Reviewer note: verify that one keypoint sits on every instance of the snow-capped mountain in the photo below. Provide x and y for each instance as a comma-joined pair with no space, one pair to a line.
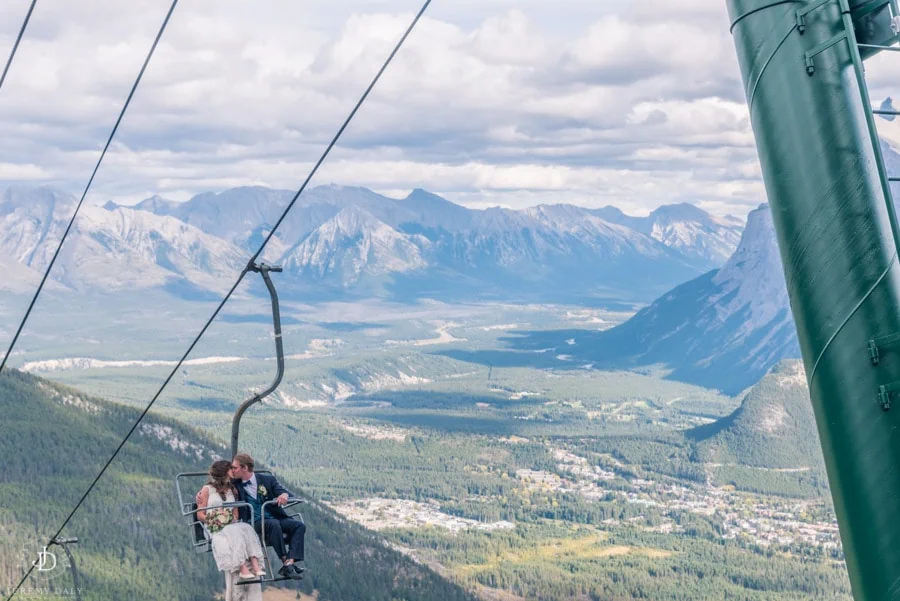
686,228
139,249
240,214
725,329
111,249
354,244
29,219
18,278
340,240
436,246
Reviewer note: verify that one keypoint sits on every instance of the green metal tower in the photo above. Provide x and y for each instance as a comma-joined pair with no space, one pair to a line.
802,64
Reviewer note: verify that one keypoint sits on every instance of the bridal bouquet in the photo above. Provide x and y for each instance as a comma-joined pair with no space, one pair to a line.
217,519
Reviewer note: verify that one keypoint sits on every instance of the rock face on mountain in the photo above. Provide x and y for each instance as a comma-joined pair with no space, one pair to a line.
725,329
111,248
774,428
686,228
353,244
350,242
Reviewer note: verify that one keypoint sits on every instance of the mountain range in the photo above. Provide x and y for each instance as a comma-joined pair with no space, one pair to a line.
351,242
718,325
724,329
727,328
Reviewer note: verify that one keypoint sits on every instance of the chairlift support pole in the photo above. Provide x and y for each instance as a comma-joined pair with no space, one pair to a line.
64,543
264,270
831,203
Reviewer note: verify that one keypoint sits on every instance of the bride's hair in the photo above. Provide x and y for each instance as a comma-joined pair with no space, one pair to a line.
218,477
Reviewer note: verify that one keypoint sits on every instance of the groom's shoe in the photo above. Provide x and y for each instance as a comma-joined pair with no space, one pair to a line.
297,571
287,571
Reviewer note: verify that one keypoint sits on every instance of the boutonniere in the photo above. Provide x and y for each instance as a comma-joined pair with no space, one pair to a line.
261,491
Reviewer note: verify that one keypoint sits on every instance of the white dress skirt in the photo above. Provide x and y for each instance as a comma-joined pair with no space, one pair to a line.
231,546
235,543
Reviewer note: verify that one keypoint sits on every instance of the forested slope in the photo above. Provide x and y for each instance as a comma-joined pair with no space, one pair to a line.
134,544
770,443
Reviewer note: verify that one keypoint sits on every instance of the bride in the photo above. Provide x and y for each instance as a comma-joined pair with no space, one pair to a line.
235,544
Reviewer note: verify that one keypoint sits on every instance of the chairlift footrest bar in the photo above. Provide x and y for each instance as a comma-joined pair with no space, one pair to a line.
885,112
884,394
876,344
264,581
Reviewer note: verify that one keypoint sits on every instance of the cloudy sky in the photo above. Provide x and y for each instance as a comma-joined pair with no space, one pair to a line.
491,102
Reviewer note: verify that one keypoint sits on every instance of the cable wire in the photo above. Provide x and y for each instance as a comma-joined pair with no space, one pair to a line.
88,186
240,278
15,47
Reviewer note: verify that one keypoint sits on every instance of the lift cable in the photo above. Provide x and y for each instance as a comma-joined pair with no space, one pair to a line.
15,47
240,278
88,186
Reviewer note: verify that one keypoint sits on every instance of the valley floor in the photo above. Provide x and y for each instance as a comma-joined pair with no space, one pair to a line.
551,481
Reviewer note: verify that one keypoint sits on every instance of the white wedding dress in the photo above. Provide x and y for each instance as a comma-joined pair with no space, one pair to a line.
231,546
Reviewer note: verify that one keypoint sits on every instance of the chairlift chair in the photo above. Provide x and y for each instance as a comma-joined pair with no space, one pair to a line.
200,538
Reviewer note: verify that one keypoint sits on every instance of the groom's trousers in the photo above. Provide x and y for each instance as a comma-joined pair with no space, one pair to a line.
275,531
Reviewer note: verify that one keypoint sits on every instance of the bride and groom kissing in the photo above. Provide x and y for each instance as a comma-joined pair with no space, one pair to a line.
234,531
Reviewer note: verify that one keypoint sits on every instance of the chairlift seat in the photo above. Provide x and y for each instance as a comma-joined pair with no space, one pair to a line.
201,541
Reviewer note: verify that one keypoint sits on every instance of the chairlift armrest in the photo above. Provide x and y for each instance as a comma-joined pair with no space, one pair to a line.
238,504
297,516
291,502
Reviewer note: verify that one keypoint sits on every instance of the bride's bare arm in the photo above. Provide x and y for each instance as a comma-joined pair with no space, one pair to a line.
202,502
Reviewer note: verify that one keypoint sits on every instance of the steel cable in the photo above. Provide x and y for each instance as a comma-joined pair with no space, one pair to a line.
240,278
87,188
15,47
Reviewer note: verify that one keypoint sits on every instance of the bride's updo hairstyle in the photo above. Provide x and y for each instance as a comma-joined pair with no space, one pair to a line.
219,478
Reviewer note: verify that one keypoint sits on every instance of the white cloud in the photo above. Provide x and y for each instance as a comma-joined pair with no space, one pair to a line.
636,103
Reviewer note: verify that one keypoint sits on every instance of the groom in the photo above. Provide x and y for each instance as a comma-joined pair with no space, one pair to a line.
257,489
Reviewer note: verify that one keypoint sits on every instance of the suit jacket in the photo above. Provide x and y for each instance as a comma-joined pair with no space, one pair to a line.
268,489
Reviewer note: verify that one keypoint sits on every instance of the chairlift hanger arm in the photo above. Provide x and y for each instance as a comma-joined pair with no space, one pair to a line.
64,543
263,269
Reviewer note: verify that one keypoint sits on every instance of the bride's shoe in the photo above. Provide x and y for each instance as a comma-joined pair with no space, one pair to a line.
261,573
247,576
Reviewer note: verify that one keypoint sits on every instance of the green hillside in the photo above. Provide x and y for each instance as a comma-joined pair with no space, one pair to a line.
770,443
134,544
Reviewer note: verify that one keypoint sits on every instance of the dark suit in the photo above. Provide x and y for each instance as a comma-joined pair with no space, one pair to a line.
277,521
